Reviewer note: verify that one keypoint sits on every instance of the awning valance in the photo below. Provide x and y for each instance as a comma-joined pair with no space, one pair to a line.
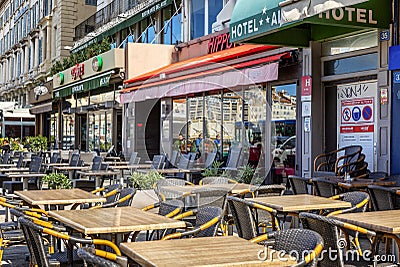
217,77
267,22
98,81
42,108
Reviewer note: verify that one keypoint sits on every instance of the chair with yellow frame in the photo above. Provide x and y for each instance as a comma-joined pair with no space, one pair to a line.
359,203
207,221
306,243
216,180
36,233
244,215
124,199
164,194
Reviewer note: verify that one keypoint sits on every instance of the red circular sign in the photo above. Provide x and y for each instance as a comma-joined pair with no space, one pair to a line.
346,115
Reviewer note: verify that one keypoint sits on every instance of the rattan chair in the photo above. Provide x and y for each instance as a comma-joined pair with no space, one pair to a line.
329,228
207,222
244,217
383,198
306,243
299,185
267,190
359,202
124,199
100,258
34,236
331,161
164,194
325,187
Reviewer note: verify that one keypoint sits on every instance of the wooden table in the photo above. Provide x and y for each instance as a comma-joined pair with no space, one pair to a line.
187,172
25,177
97,175
298,203
13,169
191,189
129,167
387,221
70,169
47,165
363,183
8,165
59,197
204,251
114,220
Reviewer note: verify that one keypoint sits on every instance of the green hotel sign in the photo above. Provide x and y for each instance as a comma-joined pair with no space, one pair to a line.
265,23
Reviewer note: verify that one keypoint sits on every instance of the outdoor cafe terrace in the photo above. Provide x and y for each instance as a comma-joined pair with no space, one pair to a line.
73,208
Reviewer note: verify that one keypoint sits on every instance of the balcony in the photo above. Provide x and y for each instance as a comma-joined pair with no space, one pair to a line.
104,16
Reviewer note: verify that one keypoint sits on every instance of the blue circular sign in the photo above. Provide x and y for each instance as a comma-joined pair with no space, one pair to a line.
356,113
367,113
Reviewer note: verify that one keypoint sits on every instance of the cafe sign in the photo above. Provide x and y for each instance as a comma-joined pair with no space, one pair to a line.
78,71
97,63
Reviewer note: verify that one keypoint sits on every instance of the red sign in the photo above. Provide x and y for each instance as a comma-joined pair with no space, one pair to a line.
306,88
219,43
78,71
357,129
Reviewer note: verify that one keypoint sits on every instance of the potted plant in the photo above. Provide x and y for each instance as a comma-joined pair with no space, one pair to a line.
245,174
144,182
57,181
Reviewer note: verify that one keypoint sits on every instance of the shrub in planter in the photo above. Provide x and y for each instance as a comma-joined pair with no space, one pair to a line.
144,181
57,181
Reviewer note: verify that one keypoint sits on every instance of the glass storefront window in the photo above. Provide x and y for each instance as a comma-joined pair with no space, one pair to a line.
68,141
232,121
100,130
351,43
196,127
213,120
351,64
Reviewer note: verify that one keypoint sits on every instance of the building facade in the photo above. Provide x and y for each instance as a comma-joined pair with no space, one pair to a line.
33,35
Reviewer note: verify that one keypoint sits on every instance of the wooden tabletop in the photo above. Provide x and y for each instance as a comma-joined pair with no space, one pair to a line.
55,164
379,221
167,171
26,175
8,165
14,169
127,167
297,203
58,197
191,189
97,173
114,220
204,251
70,168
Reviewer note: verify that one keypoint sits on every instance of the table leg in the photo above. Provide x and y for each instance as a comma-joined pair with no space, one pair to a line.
25,183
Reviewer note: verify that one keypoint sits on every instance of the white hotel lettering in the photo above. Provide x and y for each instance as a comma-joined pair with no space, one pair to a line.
359,15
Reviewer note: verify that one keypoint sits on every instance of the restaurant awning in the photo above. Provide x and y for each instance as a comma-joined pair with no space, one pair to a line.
206,73
267,22
91,83
42,108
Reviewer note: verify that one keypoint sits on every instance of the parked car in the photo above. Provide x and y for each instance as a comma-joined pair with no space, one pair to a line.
287,148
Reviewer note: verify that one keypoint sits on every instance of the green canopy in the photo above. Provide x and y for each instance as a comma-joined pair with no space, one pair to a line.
92,83
261,22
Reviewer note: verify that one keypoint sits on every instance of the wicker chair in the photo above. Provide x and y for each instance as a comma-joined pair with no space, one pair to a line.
306,243
330,162
325,187
125,198
244,217
169,209
207,222
329,228
92,256
166,194
267,190
383,198
36,244
299,185
359,202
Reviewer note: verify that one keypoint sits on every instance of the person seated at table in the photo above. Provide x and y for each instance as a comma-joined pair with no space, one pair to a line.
6,146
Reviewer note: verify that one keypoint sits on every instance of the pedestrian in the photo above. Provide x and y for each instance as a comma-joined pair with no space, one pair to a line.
198,143
217,143
180,144
6,146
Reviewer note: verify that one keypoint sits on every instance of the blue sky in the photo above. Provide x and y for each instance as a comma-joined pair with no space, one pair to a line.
290,88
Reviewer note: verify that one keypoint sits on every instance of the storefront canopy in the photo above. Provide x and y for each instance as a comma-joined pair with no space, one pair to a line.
98,81
291,23
206,73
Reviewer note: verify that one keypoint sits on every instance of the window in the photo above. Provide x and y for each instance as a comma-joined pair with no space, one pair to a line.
46,7
91,2
214,7
148,32
351,64
197,18
172,25
351,43
40,51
